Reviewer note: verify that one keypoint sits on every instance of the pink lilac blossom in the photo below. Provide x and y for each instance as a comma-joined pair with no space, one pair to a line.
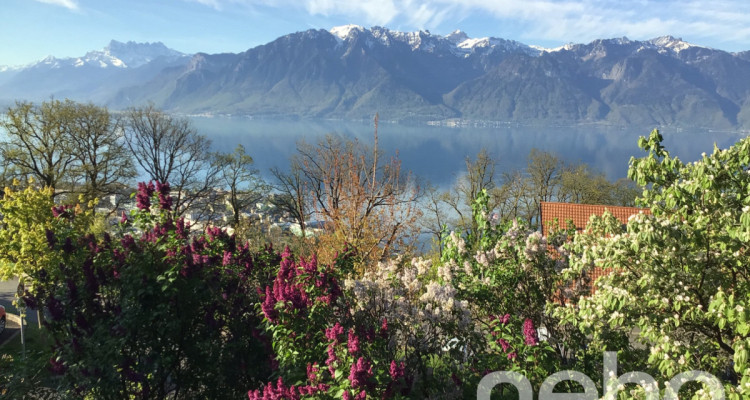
529,333
143,197
360,374
353,342
165,200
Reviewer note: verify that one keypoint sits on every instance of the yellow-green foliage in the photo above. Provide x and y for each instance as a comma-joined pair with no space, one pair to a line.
27,214
27,219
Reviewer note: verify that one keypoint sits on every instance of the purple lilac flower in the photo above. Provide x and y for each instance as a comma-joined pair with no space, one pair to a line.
165,200
68,246
396,371
530,333
360,373
227,259
63,211
143,197
269,306
334,332
353,342
51,239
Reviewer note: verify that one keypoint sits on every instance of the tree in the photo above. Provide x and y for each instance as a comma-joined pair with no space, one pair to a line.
578,184
29,222
169,149
544,173
480,175
243,182
39,143
435,216
103,159
680,284
293,196
367,203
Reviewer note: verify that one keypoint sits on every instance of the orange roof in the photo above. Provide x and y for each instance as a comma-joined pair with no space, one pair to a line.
580,213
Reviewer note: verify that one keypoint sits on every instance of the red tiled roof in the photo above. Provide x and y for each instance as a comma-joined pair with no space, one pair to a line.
580,213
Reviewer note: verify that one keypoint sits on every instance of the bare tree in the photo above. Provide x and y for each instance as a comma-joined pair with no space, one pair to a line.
480,175
103,160
293,195
38,143
544,175
168,149
435,216
368,203
242,181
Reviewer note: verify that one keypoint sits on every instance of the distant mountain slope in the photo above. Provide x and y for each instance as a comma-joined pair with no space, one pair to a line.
97,76
353,72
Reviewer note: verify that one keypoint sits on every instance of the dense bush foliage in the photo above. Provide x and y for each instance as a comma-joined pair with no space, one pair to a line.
150,310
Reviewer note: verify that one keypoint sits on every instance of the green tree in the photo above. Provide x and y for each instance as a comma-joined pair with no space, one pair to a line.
579,184
680,283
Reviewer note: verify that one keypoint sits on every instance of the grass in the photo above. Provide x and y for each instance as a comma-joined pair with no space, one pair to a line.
36,339
26,371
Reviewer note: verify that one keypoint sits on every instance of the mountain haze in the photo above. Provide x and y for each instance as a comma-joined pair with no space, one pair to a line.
96,76
352,72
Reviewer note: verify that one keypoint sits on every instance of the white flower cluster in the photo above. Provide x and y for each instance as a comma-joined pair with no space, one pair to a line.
425,309
458,242
536,244
515,233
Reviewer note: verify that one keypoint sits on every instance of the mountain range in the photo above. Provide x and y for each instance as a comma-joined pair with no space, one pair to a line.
351,72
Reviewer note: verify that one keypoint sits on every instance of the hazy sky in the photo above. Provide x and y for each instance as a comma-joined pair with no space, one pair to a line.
33,29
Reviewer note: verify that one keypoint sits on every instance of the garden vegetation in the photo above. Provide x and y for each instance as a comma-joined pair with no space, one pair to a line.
152,309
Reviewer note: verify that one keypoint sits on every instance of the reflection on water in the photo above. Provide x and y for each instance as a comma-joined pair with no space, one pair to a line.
437,153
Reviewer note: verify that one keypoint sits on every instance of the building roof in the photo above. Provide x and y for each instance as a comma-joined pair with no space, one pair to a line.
580,213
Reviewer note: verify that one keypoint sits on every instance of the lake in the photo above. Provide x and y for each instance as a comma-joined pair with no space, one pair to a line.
437,153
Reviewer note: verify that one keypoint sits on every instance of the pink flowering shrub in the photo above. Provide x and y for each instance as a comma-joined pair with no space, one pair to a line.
155,312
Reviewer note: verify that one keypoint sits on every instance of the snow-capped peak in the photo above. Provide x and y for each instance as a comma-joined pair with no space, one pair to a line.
342,32
133,55
115,55
457,36
457,42
671,43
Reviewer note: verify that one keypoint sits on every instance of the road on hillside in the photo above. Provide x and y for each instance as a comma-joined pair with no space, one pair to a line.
7,295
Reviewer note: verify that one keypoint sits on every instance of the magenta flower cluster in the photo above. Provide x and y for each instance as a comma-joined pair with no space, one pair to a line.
143,195
529,333
66,211
279,391
147,190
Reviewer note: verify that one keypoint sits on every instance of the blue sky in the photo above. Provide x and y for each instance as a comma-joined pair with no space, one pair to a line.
32,29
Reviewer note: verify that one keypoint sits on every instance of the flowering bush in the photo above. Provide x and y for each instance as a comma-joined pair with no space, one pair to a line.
376,336
679,295
153,314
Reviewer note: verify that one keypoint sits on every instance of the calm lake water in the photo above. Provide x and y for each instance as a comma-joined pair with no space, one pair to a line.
437,153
